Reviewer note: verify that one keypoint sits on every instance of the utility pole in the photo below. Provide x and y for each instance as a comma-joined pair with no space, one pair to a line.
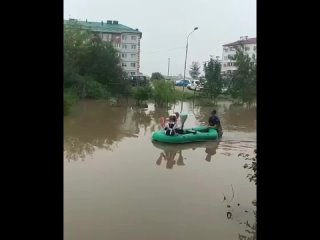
168,67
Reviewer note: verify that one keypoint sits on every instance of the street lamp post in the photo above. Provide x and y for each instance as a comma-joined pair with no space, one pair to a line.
185,63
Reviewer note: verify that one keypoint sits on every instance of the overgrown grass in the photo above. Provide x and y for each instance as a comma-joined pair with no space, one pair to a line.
163,92
141,93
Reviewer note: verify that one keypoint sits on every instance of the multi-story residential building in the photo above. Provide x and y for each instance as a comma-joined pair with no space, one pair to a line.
229,50
125,39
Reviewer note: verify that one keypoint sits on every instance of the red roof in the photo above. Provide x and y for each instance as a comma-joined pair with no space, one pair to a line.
248,41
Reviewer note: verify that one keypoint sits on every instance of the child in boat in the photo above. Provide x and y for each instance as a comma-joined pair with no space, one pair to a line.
171,125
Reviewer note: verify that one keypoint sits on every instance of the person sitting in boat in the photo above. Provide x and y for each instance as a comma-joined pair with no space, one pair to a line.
214,122
179,128
171,125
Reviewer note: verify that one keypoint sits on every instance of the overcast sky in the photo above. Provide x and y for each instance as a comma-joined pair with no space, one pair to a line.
165,25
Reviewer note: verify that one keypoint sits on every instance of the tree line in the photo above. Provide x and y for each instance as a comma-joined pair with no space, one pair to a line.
240,84
91,67
92,70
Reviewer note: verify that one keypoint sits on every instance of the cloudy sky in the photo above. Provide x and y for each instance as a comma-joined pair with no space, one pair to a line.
165,25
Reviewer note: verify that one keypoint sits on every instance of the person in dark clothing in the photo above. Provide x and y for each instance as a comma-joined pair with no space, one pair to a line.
214,122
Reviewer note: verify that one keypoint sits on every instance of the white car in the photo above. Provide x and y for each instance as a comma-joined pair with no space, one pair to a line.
195,85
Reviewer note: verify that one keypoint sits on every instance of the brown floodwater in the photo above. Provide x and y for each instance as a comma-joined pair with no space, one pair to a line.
119,185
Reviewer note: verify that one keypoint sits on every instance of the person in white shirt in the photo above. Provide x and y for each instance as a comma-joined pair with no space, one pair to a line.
179,127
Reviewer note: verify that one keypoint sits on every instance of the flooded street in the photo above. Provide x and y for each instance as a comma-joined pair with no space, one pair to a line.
119,185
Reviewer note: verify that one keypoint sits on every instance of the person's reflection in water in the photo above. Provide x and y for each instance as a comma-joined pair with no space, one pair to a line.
211,149
180,159
159,160
169,157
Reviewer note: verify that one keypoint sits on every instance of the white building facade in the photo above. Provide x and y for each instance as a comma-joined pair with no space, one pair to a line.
130,53
229,50
124,39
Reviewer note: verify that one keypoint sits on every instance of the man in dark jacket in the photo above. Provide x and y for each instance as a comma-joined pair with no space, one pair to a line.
214,122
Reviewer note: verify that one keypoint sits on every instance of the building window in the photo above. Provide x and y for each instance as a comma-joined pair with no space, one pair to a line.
133,55
225,49
124,55
231,48
224,65
124,46
247,48
134,38
133,73
124,64
254,48
133,64
117,45
124,37
133,46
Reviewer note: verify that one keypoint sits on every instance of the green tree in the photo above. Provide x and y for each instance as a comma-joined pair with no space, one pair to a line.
91,66
163,93
194,70
226,80
213,85
157,76
243,80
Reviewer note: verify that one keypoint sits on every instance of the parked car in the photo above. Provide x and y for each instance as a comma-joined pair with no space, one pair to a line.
138,80
183,82
195,85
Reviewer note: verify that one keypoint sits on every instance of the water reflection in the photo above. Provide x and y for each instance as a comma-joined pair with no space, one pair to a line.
172,153
96,124
195,197
74,149
249,231
211,149
169,157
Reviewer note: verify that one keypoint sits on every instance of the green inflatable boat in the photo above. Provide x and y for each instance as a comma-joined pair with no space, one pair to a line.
196,134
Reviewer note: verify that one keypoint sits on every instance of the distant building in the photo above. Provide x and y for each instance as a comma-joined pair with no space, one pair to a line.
125,39
228,65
